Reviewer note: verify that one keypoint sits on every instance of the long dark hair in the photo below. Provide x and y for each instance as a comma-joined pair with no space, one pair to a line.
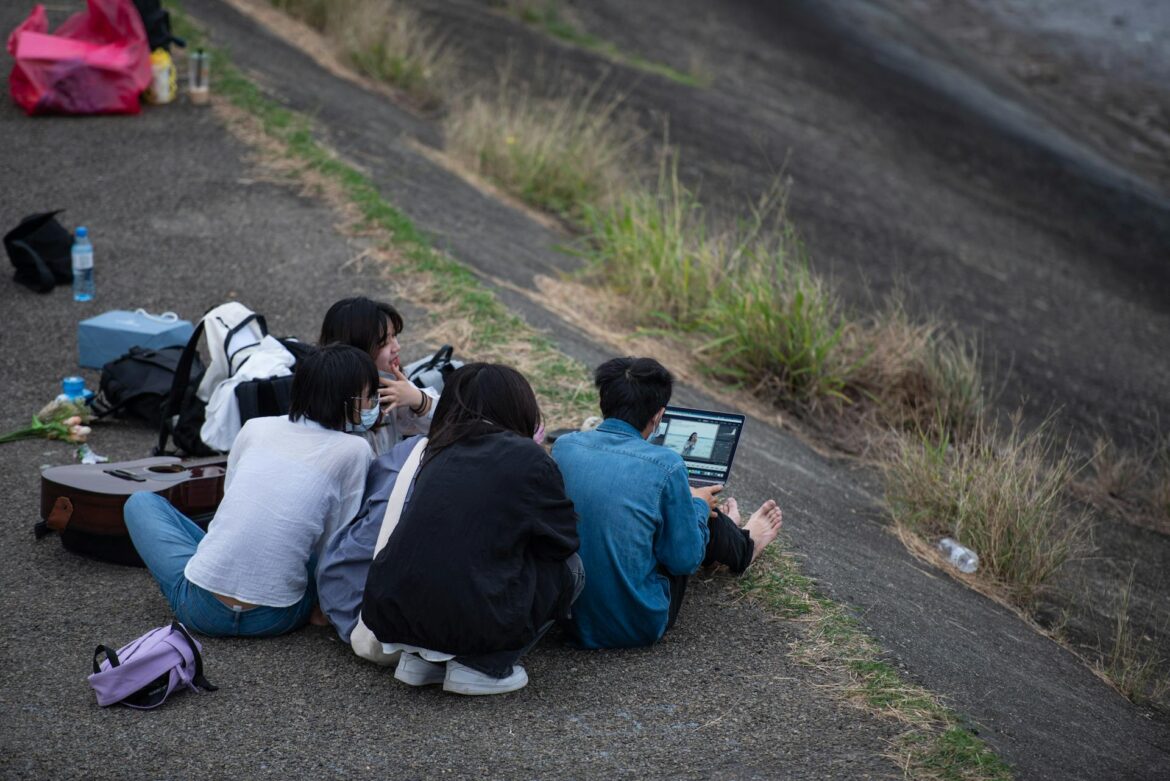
360,322
479,398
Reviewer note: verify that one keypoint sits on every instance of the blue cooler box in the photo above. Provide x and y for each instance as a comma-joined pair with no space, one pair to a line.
111,334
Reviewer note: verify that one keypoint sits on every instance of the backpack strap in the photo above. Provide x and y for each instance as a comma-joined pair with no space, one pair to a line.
442,355
110,654
227,340
178,387
199,680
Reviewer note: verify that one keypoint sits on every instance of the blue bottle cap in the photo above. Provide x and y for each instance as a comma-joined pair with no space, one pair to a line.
73,387
82,231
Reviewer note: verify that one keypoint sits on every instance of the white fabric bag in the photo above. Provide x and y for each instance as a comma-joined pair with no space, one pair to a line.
268,358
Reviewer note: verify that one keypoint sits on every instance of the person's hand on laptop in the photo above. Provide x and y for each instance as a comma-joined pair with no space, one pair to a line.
707,493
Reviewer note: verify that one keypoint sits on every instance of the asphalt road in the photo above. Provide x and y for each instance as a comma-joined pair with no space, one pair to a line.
183,222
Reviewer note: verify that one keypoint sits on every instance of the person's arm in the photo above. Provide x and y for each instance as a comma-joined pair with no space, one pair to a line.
681,544
553,520
411,423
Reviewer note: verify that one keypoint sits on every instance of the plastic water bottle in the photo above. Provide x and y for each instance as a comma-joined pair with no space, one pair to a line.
963,559
82,266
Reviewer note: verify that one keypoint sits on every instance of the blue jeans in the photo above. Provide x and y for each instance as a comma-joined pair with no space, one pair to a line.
166,540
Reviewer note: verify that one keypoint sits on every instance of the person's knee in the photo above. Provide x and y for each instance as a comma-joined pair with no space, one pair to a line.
141,508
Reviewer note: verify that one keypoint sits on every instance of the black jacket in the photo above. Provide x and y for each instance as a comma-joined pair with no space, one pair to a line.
476,564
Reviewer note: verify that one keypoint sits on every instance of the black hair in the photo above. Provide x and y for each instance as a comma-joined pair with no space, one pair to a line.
327,380
633,389
360,322
480,398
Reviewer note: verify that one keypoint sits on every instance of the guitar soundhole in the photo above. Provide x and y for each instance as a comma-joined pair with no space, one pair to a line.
167,468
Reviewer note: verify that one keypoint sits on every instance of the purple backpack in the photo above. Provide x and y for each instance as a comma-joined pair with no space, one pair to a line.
142,673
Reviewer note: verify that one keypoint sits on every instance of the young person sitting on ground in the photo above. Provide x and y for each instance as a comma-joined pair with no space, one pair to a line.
643,528
374,327
291,482
345,562
483,558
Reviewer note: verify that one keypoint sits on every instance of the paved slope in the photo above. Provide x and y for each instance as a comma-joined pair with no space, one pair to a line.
1039,707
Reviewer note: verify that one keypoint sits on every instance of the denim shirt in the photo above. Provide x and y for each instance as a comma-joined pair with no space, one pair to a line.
637,520
345,562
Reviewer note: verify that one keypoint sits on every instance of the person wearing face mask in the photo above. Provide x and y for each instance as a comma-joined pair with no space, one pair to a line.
291,482
374,327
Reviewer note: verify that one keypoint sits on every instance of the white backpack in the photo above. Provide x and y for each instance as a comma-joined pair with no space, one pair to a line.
239,350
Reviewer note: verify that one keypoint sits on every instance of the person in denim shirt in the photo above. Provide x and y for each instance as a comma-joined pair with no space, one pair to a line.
643,529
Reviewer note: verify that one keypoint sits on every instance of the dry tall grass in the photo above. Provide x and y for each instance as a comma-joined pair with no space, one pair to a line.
768,322
560,154
1003,494
1131,484
1131,661
384,39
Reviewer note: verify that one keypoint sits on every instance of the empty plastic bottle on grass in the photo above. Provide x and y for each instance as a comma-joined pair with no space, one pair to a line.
963,559
82,266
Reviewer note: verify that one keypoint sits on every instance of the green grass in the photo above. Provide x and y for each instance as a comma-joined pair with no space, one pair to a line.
384,39
1003,494
548,15
562,155
935,743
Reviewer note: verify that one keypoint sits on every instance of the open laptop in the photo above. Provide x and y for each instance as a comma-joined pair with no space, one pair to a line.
706,440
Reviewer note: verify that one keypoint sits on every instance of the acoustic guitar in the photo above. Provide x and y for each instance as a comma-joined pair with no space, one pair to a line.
83,502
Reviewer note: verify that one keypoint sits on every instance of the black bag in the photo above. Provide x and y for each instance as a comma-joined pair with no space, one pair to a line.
41,250
157,22
139,383
183,412
433,372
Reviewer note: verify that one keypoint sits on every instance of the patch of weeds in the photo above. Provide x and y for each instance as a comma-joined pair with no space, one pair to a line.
384,39
765,321
551,17
1132,662
448,290
935,743
1005,495
1134,486
562,154
448,287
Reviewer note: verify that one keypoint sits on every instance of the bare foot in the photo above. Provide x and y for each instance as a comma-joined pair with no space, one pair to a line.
731,510
764,525
317,618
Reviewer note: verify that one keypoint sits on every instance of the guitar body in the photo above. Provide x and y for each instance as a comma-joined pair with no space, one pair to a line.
83,502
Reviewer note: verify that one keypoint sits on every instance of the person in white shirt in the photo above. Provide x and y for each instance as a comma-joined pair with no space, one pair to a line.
374,326
291,482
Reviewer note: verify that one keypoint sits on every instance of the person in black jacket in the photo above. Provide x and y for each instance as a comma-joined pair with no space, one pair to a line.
484,558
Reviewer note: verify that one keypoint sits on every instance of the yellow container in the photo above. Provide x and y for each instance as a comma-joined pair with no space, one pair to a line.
164,85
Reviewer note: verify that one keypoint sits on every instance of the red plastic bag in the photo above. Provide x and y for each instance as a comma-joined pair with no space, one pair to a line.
98,61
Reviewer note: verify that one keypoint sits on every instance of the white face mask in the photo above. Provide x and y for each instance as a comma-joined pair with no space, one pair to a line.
369,420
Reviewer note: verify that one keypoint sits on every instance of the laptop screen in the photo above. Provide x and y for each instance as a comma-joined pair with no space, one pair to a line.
706,441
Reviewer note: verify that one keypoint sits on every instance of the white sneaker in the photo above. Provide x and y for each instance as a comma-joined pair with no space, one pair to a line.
416,671
462,679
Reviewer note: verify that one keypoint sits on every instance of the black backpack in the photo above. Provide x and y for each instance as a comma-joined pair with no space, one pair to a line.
157,22
139,383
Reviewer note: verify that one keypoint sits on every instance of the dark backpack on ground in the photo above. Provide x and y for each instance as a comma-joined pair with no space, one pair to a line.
157,22
40,250
139,383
